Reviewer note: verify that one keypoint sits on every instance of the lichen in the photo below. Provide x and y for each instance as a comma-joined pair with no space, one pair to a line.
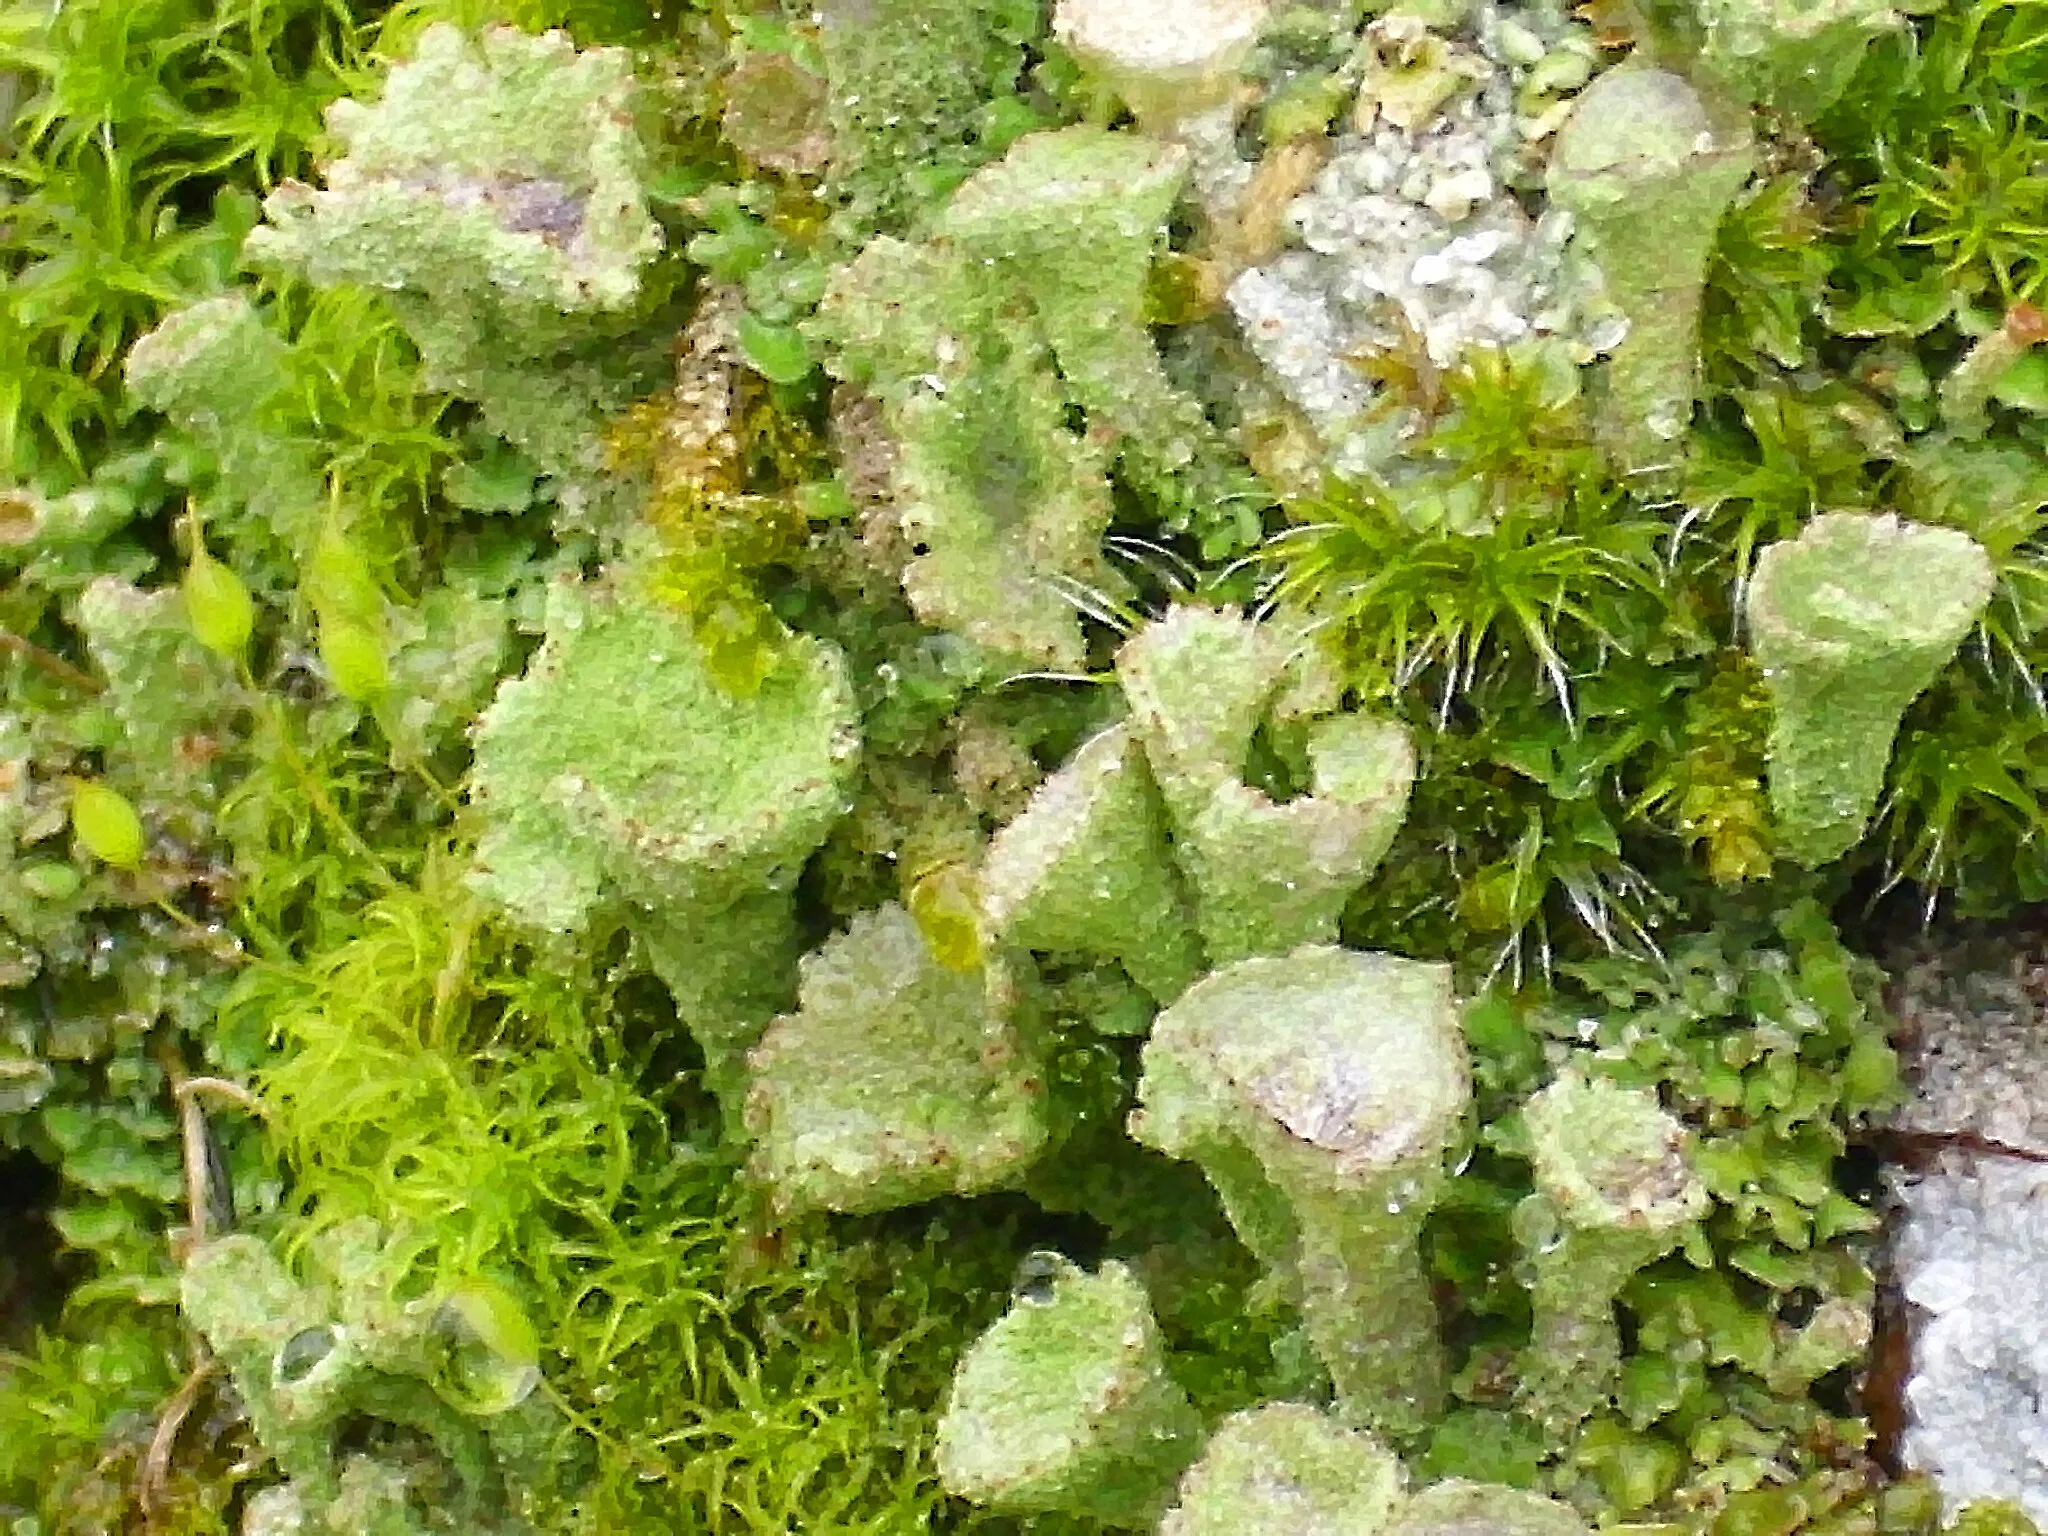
1037,263
695,836
1265,875
1284,1464
1850,622
653,689
896,1080
1066,1404
1318,1092
496,190
1647,167
312,1359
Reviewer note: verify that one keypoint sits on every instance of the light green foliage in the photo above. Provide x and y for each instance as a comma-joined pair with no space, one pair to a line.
165,689
1086,869
96,980
1851,622
221,350
1265,875
133,135
910,86
1287,1468
1839,1333
1318,1092
1648,167
1767,1043
63,1460
523,1112
1066,1405
897,1079
1038,262
326,388
309,1357
1614,1191
617,774
1992,1517
1773,1045
1794,56
517,1112
111,772
495,189
1475,1509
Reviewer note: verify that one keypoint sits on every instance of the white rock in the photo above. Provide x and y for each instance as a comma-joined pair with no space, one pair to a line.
1418,233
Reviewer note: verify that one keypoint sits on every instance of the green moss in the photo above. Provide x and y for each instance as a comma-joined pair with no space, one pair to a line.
742,412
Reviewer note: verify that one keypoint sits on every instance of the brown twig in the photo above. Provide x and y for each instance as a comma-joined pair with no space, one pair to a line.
186,1092
50,662
233,1092
156,1462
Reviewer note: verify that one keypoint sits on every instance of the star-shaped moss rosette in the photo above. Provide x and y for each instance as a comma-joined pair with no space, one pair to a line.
896,1080
495,190
616,777
1265,875
1286,1469
1066,1405
1647,166
1318,1092
1615,1191
1028,296
1851,622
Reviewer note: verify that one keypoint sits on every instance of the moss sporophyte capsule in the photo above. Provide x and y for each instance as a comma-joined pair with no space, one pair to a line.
106,824
223,614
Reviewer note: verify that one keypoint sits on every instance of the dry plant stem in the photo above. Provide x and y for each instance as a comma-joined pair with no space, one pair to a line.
185,1091
192,1139
233,1092
156,1462
51,663
199,933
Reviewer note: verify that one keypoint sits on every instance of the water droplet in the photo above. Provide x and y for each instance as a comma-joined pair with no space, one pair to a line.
303,1353
1536,1225
1037,1275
